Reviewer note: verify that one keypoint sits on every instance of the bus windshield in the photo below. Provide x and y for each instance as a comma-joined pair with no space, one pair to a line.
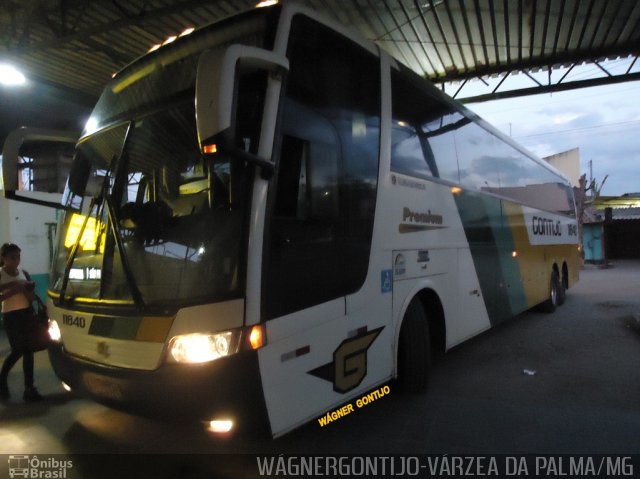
149,220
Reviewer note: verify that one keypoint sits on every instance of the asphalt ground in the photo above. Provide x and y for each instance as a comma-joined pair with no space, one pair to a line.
561,383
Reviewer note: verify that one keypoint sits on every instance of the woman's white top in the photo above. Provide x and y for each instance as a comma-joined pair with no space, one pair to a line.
17,301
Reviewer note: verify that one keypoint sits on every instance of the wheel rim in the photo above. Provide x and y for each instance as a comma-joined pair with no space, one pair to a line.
554,292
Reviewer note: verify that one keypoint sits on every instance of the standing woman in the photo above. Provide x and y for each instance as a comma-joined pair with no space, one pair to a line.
16,292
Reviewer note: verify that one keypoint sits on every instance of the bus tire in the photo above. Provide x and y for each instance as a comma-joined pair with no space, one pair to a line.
562,292
414,349
550,305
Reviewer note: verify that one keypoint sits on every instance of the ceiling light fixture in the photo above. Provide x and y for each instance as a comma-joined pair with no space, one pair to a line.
10,76
267,3
170,39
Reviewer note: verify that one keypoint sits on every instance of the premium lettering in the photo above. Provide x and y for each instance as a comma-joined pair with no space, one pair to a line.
417,217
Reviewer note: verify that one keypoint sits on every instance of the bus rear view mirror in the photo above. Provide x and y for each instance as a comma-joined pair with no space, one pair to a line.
35,161
217,94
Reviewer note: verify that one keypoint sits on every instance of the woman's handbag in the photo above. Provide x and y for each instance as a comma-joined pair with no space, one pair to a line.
38,337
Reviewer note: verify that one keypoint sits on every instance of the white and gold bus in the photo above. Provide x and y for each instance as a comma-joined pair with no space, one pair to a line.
271,216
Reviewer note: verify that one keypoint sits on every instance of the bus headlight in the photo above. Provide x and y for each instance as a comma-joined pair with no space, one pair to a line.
200,348
54,330
220,426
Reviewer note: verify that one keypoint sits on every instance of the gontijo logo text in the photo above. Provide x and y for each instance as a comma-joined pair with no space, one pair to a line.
38,467
546,227
549,229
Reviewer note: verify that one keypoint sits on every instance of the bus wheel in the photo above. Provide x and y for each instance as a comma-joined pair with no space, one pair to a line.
562,292
414,349
550,305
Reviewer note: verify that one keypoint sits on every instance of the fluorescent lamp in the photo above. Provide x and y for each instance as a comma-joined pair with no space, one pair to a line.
267,3
10,76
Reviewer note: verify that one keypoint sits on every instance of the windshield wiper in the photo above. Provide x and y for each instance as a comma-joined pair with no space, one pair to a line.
76,245
115,230
96,202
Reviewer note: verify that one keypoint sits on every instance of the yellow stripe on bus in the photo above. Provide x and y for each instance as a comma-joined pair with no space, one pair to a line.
154,329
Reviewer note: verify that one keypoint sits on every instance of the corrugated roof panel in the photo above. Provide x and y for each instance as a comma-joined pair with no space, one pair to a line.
423,45
389,33
432,42
454,28
440,39
406,33
433,37
625,213
482,18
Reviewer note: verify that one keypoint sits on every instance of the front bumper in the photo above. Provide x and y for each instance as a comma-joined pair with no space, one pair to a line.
227,387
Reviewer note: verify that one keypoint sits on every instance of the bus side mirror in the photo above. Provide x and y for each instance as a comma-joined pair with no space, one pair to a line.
216,95
49,154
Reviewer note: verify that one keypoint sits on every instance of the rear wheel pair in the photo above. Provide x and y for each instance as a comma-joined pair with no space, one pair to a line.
557,294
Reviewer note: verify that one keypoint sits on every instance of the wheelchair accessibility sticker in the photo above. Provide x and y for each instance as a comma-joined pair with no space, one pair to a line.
386,281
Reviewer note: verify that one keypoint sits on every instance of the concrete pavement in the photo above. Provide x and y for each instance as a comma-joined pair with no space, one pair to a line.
568,382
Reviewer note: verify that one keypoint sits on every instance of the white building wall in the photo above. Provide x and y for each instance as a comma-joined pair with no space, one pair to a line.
26,225
568,162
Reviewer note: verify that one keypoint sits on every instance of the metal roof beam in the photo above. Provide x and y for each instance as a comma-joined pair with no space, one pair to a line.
621,51
552,88
602,68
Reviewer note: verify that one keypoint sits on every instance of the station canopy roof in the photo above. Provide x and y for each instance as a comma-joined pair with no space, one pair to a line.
69,49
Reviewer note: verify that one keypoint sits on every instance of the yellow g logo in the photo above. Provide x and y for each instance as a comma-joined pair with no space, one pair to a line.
349,366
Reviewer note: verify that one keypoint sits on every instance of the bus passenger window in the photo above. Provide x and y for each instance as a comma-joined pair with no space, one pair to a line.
323,204
421,138
406,149
293,200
